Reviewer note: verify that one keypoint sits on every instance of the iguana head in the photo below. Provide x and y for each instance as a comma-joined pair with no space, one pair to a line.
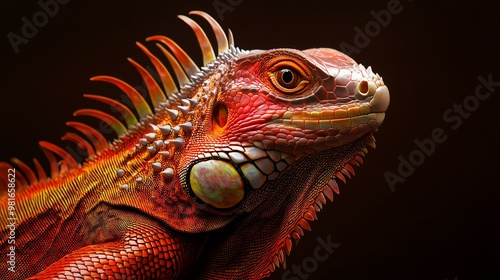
264,110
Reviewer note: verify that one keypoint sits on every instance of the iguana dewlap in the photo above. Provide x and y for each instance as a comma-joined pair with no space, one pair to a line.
211,178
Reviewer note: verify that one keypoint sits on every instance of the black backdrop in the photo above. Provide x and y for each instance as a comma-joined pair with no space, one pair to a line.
440,223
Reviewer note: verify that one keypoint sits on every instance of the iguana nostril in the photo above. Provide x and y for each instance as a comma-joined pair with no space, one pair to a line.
363,87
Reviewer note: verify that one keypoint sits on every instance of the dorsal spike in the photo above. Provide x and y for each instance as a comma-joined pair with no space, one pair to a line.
42,177
165,77
68,159
187,63
206,47
30,175
99,142
63,167
155,92
219,32
182,78
140,104
54,167
117,126
129,117
230,38
80,142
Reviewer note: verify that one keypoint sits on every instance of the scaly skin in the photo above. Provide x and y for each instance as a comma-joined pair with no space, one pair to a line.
215,184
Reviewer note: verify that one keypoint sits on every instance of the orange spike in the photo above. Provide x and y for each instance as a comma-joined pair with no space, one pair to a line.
79,141
155,92
304,224
276,261
219,33
318,206
328,192
63,167
295,236
117,126
334,186
187,63
340,176
349,168
140,104
122,109
359,159
313,212
354,162
54,167
206,47
60,152
308,216
346,173
231,38
281,255
94,136
42,177
299,230
166,79
182,78
288,246
30,175
321,198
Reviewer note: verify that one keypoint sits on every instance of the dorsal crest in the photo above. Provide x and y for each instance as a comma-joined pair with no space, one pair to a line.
167,89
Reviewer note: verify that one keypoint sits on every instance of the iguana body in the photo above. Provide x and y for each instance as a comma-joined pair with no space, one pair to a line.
215,183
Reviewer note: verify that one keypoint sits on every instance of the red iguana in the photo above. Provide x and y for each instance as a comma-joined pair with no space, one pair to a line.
214,182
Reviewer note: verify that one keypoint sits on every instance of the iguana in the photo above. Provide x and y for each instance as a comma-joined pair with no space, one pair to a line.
214,182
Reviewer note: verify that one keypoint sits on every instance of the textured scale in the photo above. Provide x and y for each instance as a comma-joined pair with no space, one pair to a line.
213,181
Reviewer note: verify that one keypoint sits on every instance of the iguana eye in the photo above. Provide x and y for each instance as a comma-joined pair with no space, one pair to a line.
288,77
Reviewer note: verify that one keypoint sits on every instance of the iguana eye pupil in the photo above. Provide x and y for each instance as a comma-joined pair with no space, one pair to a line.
288,79
287,76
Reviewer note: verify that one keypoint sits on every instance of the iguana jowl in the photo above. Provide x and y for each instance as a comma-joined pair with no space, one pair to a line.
214,183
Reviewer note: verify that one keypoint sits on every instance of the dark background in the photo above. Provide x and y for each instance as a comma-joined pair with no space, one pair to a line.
440,223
